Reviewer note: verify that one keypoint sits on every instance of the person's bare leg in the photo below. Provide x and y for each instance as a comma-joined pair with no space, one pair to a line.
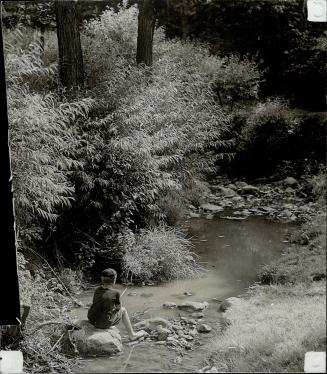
127,322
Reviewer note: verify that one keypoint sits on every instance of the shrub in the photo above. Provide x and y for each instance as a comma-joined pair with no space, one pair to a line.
237,79
267,138
43,139
158,254
150,129
173,208
272,274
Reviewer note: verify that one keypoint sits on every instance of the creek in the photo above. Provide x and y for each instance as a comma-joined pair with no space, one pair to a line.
231,251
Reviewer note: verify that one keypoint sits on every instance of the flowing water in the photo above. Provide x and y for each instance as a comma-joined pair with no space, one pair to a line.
231,251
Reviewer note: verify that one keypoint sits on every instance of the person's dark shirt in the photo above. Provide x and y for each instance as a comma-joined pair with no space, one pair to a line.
106,304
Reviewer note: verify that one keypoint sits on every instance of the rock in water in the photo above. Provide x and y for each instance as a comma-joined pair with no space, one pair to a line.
227,192
291,182
240,184
248,189
227,303
211,208
197,315
152,323
91,341
204,328
163,332
193,306
194,215
169,305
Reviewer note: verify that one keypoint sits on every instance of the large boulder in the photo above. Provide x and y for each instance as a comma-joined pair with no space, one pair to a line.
193,306
91,341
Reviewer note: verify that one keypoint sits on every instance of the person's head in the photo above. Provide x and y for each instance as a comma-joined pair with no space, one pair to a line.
109,277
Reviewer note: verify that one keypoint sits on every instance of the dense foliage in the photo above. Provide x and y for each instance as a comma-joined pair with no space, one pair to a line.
277,32
104,173
149,131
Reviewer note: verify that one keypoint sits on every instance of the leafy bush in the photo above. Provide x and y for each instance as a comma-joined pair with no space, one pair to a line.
237,79
43,139
267,137
148,131
160,253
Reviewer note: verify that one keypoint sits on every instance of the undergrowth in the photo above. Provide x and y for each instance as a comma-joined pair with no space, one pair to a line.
277,322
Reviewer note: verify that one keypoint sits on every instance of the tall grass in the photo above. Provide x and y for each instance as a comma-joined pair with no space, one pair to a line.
272,329
160,253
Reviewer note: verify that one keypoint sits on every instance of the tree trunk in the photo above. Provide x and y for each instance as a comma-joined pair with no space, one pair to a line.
71,69
10,310
146,23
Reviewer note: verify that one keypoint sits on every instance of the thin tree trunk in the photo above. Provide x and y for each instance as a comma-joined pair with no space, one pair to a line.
10,310
42,42
71,70
146,24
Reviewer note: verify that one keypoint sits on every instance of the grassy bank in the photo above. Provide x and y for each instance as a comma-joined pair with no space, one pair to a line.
283,317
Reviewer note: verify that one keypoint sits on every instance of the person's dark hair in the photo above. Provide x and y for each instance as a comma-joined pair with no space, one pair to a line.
109,275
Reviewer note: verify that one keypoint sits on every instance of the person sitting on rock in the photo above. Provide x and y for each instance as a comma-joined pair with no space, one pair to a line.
106,309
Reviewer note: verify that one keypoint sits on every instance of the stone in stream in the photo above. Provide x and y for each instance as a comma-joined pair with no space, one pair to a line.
193,306
251,190
194,215
227,192
161,342
189,321
211,208
169,305
163,332
152,323
91,341
290,182
240,184
203,328
229,302
197,315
